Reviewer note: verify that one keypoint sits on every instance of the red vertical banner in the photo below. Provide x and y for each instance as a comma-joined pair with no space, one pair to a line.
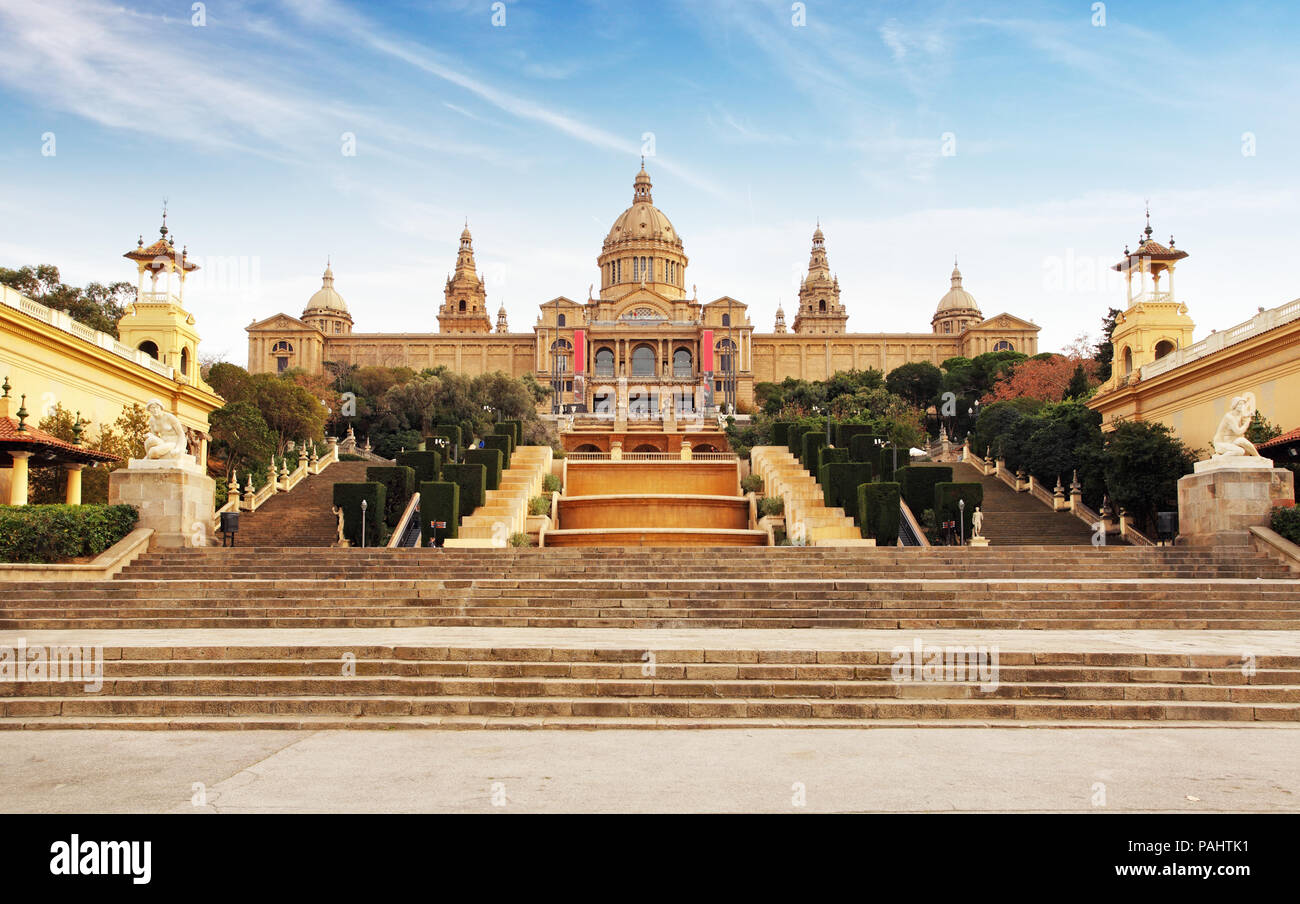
706,351
579,351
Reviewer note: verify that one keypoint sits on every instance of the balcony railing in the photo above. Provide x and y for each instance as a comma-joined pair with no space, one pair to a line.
1260,323
62,321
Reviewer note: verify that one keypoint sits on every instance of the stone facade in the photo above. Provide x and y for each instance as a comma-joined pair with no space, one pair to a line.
643,344
1218,506
174,497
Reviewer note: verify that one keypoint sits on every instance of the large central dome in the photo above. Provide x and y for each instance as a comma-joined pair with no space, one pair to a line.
642,220
642,249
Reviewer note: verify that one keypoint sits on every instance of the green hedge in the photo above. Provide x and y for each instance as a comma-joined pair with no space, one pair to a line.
490,459
1286,521
878,513
449,432
840,482
828,454
508,432
516,429
809,443
781,433
862,447
473,485
503,443
439,501
945,502
427,465
348,497
794,437
918,483
54,533
844,434
399,484
751,483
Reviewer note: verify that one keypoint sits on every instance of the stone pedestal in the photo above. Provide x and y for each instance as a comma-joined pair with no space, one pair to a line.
978,541
173,496
1220,502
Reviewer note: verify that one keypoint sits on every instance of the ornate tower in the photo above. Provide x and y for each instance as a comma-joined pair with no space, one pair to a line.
820,310
157,323
464,309
957,309
780,319
1154,323
502,326
326,310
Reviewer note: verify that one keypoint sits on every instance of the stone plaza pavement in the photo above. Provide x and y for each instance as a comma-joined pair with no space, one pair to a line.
1238,769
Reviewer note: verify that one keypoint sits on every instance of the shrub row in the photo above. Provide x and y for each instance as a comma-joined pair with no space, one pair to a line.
427,465
54,533
472,480
490,459
399,484
840,482
918,483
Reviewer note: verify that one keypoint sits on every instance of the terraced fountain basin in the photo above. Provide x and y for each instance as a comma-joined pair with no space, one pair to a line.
654,510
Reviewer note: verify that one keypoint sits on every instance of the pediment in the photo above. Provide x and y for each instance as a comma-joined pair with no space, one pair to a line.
725,301
1005,321
279,322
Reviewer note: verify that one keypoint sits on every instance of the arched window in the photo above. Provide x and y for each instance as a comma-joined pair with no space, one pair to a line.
282,346
1128,360
726,320
1002,345
604,362
185,362
726,349
149,348
643,361
559,320
561,349
682,363
947,326
462,306
821,305
1164,347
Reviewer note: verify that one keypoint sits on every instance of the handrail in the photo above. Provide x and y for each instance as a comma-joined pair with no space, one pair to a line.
1135,536
404,522
910,531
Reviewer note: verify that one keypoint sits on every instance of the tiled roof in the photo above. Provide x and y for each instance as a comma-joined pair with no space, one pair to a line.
11,437
1290,437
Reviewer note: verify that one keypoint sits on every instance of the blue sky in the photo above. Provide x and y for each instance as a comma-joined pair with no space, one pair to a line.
533,130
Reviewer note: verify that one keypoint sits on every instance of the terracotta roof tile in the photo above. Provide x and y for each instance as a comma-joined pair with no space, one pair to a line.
10,436
1290,437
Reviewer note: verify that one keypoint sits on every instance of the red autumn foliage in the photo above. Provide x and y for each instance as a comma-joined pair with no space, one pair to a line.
1047,379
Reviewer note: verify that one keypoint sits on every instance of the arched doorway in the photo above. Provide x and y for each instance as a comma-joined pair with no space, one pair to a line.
151,349
705,447
1164,347
587,447
645,447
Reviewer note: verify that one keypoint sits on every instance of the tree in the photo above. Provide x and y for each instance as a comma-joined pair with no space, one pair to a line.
240,437
1143,461
918,382
230,381
291,412
1079,383
1104,354
1048,378
98,306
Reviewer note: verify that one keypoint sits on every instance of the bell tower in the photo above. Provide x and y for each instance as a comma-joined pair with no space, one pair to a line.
157,323
464,308
820,311
1154,322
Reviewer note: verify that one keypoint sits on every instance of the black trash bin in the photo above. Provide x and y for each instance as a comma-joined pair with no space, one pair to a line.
229,526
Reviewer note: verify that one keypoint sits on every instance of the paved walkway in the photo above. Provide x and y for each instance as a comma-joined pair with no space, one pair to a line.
896,770
1235,643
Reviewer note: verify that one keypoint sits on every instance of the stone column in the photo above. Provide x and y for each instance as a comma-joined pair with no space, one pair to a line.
73,495
18,478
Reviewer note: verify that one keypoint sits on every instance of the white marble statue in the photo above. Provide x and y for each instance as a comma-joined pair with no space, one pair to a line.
977,523
166,437
1230,439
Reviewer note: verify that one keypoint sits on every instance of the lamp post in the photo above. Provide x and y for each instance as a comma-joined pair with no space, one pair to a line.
364,506
961,520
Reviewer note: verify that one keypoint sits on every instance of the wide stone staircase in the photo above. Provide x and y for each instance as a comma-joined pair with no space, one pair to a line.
362,684
650,638
303,516
1018,519
805,505
505,509
1072,588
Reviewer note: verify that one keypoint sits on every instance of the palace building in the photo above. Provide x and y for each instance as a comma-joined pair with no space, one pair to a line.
645,345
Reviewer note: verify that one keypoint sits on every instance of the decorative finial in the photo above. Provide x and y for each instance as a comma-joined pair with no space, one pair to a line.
1171,240
643,161
5,387
140,242
22,414
77,430
1148,230
163,230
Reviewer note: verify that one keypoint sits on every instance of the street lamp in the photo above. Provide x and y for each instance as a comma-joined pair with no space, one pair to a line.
364,506
961,520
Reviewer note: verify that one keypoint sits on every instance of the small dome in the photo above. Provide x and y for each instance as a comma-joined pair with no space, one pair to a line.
957,298
326,299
